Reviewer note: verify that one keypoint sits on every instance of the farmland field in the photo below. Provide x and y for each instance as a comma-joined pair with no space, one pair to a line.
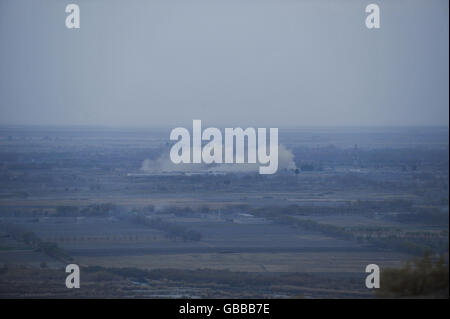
83,197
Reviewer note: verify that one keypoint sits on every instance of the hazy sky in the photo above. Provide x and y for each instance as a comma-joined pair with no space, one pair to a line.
227,62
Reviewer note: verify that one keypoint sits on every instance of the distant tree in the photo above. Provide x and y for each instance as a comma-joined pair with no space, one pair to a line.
421,278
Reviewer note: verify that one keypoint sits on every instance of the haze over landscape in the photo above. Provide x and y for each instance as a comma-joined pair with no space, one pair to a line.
361,122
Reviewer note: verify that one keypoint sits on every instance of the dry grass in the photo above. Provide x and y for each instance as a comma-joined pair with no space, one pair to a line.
255,262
